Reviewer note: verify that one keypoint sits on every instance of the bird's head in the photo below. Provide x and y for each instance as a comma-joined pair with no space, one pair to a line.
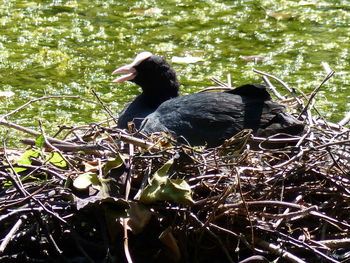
152,73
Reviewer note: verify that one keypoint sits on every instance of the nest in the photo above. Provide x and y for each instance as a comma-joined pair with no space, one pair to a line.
104,195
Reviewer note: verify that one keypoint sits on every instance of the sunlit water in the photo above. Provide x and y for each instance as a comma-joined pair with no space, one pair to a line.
71,47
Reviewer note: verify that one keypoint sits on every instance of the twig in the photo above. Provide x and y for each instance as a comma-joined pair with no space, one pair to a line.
91,149
283,84
53,147
336,243
265,203
345,120
105,107
31,132
15,179
219,82
279,251
272,88
305,245
222,246
246,207
10,234
215,89
313,94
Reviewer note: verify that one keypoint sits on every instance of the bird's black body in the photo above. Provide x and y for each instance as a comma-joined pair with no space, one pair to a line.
203,118
211,117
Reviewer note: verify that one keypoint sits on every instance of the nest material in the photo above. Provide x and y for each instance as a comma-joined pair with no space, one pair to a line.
290,203
105,196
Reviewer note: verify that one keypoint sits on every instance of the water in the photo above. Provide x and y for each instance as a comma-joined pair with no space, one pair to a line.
71,47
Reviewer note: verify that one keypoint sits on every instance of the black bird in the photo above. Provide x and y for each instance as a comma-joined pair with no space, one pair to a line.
201,118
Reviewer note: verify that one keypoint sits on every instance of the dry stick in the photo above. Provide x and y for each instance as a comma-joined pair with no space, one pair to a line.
229,83
246,207
313,94
292,215
222,246
91,148
331,144
345,120
239,236
283,84
336,243
54,243
273,89
331,220
304,244
16,180
222,198
138,142
286,212
105,107
275,140
214,89
70,148
40,99
86,127
336,162
10,234
265,203
31,132
21,200
279,251
219,82
127,192
53,147
26,193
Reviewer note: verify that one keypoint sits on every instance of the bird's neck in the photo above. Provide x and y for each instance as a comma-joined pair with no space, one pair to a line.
160,94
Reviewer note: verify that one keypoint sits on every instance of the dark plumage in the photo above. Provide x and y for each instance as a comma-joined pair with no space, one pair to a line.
201,118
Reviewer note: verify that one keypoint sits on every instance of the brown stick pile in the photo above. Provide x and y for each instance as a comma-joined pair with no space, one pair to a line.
284,203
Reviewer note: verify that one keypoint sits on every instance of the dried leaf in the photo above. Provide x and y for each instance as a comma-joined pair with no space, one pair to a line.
91,166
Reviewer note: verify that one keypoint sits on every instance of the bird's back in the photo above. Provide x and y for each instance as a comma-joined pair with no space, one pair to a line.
211,117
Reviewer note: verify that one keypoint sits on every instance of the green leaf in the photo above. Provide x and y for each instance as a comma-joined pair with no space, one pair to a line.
161,175
161,188
114,163
179,191
56,159
40,141
83,181
26,159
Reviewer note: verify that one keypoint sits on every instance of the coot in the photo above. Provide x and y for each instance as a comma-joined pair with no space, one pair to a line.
201,118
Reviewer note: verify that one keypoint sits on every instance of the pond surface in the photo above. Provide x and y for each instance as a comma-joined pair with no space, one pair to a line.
71,47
